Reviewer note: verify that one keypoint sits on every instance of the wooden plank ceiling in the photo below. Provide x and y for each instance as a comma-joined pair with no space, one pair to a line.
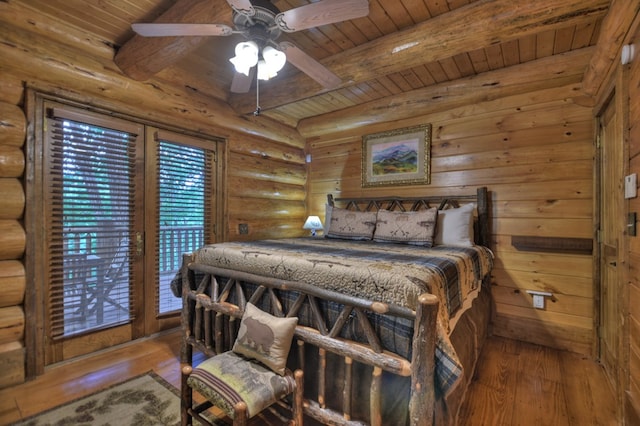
402,47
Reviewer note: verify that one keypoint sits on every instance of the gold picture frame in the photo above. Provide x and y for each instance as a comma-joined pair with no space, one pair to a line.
397,157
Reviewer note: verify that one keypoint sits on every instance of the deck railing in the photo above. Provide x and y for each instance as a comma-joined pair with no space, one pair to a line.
173,242
89,243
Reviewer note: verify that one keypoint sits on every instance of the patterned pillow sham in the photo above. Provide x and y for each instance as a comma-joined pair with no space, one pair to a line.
351,225
265,338
416,228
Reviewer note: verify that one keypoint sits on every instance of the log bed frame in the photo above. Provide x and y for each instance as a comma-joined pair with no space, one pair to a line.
210,323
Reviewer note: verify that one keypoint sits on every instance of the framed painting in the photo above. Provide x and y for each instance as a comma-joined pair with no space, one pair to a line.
397,157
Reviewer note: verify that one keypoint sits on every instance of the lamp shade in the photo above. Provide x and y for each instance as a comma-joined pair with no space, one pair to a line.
313,223
246,57
272,62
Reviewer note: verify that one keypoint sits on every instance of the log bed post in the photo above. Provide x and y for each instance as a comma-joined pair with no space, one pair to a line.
422,403
186,352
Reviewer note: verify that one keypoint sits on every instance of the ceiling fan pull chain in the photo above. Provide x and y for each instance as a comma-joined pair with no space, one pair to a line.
257,111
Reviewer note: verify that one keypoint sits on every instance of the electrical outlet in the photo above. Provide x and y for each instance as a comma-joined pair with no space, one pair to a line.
538,298
243,228
538,301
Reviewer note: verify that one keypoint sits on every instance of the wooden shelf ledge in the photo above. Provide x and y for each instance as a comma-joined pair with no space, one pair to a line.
553,244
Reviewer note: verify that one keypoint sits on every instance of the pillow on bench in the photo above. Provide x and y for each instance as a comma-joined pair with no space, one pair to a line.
265,338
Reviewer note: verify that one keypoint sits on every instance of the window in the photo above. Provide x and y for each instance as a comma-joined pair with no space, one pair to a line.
114,205
184,180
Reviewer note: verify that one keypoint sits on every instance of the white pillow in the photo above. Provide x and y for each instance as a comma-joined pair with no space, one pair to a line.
455,226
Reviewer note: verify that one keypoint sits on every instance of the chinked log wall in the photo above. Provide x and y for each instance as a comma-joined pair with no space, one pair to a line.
12,234
534,152
265,174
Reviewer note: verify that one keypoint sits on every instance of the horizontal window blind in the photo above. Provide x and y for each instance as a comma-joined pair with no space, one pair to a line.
90,212
184,185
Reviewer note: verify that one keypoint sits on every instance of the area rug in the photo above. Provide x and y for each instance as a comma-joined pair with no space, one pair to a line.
146,400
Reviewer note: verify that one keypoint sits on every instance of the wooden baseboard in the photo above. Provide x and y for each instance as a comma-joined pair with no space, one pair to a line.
562,337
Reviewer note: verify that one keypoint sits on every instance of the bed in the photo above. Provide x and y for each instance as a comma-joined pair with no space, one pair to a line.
390,325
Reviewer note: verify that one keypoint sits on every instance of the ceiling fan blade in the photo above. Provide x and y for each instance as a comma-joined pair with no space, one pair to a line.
242,83
321,13
242,6
310,66
173,30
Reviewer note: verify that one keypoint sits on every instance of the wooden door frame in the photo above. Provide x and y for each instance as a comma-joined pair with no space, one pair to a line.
616,91
153,323
34,334
40,351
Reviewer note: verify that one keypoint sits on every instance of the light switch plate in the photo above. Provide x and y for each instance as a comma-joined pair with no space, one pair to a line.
630,186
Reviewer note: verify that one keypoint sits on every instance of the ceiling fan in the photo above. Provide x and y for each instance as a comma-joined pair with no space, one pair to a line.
261,23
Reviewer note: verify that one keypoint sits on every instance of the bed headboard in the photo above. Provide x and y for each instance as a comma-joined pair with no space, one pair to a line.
481,198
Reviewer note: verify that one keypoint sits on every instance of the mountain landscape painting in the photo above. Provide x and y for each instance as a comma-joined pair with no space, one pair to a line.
395,157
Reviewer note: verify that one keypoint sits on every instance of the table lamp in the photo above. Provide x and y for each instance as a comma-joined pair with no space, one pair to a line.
313,223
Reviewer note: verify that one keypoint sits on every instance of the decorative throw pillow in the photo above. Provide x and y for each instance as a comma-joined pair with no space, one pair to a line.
265,338
455,226
417,228
351,225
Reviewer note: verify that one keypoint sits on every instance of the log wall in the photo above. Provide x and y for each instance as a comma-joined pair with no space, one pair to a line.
265,164
12,234
534,152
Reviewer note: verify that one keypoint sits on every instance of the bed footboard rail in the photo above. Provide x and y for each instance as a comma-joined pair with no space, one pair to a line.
214,300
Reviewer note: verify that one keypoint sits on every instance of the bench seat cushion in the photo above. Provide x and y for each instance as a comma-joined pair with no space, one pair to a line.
229,378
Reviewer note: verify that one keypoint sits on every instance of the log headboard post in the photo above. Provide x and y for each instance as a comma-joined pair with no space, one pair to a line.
483,216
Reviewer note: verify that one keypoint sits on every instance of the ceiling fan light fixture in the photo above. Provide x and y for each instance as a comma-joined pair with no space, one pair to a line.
246,57
264,73
274,57
272,61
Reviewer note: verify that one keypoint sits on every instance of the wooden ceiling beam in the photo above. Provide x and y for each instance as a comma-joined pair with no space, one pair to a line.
475,26
44,63
613,32
142,57
549,72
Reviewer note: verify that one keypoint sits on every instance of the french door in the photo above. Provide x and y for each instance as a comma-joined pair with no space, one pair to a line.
121,203
184,171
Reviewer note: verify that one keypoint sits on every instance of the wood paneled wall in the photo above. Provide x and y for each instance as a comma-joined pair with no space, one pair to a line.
265,172
534,152
633,242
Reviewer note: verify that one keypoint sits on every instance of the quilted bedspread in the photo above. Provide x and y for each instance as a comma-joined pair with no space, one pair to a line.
391,273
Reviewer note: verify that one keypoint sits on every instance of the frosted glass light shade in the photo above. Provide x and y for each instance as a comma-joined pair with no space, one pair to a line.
246,57
313,223
273,62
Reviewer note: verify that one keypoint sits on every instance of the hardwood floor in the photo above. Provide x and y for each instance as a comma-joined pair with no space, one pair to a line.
523,384
73,379
516,383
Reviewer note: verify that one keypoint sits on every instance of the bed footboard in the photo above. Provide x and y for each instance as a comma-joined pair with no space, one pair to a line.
213,303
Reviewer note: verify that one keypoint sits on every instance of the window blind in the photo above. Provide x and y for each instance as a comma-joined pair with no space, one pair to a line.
90,212
184,188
